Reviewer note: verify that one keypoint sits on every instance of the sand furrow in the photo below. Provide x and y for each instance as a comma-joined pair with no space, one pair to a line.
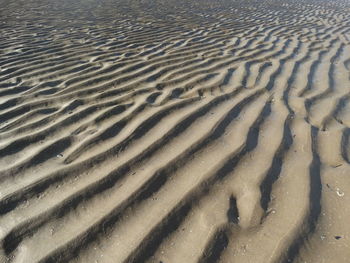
174,131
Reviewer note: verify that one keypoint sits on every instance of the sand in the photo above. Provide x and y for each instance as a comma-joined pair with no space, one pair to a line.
175,131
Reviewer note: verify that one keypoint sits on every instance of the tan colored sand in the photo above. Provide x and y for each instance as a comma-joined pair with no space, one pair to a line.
174,131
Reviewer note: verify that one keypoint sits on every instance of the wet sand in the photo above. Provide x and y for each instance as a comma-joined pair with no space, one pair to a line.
174,131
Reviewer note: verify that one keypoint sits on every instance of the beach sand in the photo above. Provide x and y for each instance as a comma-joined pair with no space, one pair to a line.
175,131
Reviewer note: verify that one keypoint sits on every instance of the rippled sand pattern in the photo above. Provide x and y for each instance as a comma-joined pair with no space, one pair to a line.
174,131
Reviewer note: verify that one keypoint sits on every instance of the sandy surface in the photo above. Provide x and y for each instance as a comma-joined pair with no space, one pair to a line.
168,131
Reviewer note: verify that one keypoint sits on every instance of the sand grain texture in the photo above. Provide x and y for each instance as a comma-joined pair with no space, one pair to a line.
175,131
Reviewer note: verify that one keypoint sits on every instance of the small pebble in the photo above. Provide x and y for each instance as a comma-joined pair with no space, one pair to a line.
339,193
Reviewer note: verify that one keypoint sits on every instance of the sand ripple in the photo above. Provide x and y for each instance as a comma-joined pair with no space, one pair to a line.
174,131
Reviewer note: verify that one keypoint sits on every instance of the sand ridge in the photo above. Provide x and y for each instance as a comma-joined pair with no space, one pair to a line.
174,131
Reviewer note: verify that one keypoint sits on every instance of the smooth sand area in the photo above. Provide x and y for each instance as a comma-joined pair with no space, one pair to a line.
175,131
